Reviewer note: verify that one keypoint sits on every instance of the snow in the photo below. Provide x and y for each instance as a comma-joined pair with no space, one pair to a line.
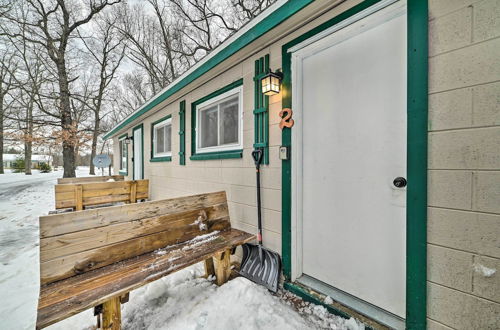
182,300
328,300
485,271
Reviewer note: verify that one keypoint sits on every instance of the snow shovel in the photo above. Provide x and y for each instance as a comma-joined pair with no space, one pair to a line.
259,264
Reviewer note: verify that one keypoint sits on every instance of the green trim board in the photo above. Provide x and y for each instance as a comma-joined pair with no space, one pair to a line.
141,127
417,108
274,19
126,157
182,132
161,159
152,158
261,109
238,153
416,209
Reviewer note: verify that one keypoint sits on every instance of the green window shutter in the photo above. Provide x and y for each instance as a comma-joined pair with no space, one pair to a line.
182,133
261,109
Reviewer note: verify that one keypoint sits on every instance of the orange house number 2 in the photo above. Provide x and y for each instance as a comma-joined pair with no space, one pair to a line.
286,118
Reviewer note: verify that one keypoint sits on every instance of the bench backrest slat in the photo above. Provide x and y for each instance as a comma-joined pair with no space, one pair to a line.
88,179
94,193
77,242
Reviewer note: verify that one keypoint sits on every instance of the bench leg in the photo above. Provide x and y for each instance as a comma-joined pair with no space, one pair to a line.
209,267
223,266
111,314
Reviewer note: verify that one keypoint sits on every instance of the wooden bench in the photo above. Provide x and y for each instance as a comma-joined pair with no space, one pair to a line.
94,257
87,179
78,196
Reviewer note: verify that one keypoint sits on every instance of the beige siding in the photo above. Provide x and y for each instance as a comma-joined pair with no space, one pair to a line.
464,154
464,164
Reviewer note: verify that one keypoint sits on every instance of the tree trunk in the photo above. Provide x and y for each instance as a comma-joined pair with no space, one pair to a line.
95,135
68,131
28,142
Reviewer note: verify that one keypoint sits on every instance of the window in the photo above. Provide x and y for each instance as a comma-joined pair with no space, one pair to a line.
123,154
161,147
219,122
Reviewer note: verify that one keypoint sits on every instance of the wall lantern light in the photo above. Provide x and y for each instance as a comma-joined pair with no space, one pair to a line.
271,83
127,140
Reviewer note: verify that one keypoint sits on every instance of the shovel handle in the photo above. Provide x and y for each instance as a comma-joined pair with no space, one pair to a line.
257,157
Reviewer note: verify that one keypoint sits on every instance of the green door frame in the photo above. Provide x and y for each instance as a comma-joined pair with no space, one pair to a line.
140,126
416,200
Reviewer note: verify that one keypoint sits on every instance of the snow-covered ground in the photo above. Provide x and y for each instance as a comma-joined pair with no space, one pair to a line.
182,300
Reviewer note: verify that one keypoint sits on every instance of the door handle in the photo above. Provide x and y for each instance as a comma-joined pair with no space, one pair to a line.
399,182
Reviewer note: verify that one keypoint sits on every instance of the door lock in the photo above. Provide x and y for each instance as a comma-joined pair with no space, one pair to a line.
399,182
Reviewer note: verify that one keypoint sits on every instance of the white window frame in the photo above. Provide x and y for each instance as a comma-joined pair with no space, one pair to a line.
121,143
163,123
210,103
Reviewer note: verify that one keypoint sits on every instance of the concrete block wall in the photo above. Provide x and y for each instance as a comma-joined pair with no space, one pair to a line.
464,165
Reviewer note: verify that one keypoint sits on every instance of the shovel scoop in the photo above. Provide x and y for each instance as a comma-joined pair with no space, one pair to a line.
259,264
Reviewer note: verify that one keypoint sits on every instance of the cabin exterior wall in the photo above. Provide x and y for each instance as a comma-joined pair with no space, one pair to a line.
463,167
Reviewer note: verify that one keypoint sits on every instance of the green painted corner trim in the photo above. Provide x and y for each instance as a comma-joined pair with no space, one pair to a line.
152,157
141,127
231,154
216,154
161,159
122,173
261,108
416,198
417,108
280,15
182,133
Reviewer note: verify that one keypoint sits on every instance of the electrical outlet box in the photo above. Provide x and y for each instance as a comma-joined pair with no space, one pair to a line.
283,153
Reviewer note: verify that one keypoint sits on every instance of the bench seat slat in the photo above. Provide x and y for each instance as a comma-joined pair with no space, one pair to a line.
64,298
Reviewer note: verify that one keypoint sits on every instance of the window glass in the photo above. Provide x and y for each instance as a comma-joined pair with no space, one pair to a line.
123,155
209,127
160,139
229,121
168,138
219,123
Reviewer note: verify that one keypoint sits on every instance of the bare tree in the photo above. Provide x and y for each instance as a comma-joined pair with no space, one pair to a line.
107,49
52,25
7,67
207,23
153,40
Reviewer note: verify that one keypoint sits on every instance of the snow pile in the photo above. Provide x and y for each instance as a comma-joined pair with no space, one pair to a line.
485,271
185,301
319,315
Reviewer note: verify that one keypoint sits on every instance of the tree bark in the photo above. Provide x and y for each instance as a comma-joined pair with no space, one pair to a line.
95,135
68,131
28,136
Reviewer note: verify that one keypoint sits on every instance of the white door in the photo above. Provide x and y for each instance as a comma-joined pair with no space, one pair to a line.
138,161
349,102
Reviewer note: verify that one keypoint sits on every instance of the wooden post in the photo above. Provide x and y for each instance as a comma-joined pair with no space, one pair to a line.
111,314
209,267
79,197
223,266
133,192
